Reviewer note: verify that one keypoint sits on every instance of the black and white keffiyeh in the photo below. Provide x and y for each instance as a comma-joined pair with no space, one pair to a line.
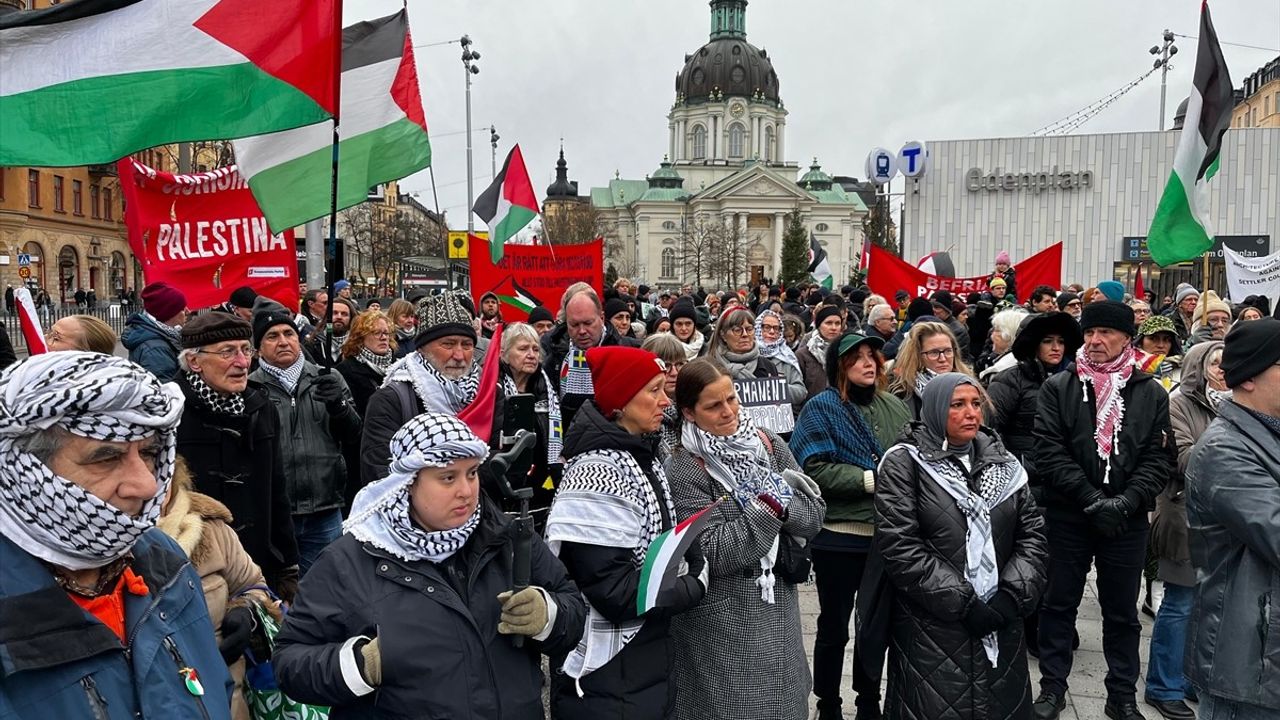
547,403
818,347
232,404
380,363
740,463
777,350
289,376
96,396
380,511
438,393
923,378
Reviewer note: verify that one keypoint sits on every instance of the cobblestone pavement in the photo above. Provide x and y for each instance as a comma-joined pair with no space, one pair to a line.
1087,695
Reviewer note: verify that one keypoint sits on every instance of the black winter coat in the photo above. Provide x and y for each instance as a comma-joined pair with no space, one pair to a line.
362,380
937,670
1065,453
235,459
555,346
437,629
1014,396
7,356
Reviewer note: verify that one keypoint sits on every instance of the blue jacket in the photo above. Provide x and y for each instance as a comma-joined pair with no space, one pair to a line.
151,347
57,661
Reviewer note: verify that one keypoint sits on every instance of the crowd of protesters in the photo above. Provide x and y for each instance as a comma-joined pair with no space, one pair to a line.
957,468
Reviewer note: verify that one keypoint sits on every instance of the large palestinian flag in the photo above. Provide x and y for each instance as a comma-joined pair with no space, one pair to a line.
91,81
383,132
1180,230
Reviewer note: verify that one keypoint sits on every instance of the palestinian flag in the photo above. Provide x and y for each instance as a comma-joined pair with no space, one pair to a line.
519,298
1180,230
819,268
662,560
89,82
383,132
508,204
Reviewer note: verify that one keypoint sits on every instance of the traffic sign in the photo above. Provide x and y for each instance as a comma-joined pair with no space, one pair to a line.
882,165
24,271
913,158
24,259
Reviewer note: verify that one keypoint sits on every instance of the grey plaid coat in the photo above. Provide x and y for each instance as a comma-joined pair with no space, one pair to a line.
737,657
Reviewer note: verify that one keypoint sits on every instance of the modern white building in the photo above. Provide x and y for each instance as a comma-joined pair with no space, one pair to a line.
725,166
1095,193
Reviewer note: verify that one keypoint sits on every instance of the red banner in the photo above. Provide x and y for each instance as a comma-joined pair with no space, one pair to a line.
889,274
530,275
205,235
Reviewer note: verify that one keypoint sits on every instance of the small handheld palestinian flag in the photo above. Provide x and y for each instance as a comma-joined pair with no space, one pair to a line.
1148,362
662,561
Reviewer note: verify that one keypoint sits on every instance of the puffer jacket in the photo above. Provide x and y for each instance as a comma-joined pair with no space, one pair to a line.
151,347
1066,454
937,670
312,439
1233,500
1189,416
58,661
1012,414
437,630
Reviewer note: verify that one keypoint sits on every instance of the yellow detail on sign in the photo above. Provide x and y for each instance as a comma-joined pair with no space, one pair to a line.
458,243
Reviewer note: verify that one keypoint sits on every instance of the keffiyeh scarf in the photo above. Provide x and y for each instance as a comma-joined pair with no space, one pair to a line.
438,393
923,378
380,363
818,347
740,463
94,396
1108,380
288,377
778,349
173,332
547,403
575,374
218,402
998,482
380,512
1216,397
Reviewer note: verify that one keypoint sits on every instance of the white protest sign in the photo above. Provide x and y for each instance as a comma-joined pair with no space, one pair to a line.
1252,276
768,403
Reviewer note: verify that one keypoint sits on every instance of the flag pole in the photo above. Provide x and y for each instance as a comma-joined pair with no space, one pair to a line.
331,249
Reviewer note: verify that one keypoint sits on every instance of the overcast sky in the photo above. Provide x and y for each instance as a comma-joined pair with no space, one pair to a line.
853,75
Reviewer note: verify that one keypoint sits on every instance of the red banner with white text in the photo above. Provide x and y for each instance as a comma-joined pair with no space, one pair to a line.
531,275
205,235
889,274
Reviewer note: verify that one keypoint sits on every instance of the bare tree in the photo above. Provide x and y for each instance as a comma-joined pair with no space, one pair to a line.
728,254
574,225
697,242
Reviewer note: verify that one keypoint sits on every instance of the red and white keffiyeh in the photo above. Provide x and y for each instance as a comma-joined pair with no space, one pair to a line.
1108,379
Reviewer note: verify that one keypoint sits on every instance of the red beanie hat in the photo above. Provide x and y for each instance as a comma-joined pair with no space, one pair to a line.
163,301
619,373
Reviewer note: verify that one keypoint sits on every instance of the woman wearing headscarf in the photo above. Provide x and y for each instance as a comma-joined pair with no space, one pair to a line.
751,546
964,549
828,325
411,612
613,502
838,440
773,347
929,350
1191,408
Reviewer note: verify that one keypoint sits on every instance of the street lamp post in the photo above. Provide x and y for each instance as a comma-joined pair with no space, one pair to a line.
468,58
1165,50
493,155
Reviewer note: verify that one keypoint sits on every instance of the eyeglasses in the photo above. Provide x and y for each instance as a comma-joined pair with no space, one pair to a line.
1074,303
230,353
740,330
939,354
673,368
381,333
773,329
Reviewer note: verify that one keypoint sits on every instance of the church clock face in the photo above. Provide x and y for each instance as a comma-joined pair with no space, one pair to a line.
737,109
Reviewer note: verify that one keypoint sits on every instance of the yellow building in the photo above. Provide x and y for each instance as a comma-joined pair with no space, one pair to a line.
1258,103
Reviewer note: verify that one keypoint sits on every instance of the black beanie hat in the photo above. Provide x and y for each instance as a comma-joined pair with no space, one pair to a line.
1108,314
1250,348
615,306
919,308
1065,298
268,313
682,309
540,314
943,299
793,294
825,312
243,297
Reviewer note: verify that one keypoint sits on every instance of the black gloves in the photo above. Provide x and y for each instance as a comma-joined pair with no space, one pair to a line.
285,583
1110,515
328,390
1003,603
237,627
982,620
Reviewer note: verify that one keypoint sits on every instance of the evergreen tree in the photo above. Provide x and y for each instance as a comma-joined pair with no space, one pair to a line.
610,275
795,252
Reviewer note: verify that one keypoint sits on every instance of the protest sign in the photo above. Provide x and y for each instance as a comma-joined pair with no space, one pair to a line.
1252,276
889,274
768,403
532,275
205,235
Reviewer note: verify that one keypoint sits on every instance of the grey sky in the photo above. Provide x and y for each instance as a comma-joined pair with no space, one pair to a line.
853,75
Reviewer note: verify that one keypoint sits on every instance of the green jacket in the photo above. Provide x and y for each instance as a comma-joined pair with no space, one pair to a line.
845,489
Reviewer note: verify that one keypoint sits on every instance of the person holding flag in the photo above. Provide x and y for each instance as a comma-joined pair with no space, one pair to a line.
611,507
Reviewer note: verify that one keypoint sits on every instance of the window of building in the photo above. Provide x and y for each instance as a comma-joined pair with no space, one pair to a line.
668,262
737,138
1266,105
1,183
59,203
77,197
769,144
107,210
698,139
33,188
93,202
820,227
669,225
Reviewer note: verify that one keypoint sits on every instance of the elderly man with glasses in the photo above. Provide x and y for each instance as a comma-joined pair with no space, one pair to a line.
230,438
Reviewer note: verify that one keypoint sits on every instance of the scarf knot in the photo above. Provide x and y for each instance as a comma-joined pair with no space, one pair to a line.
289,376
380,363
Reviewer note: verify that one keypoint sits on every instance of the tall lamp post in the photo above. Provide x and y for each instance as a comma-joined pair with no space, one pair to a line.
493,153
1165,50
469,57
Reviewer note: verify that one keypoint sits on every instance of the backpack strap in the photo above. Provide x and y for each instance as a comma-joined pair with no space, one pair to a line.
408,403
